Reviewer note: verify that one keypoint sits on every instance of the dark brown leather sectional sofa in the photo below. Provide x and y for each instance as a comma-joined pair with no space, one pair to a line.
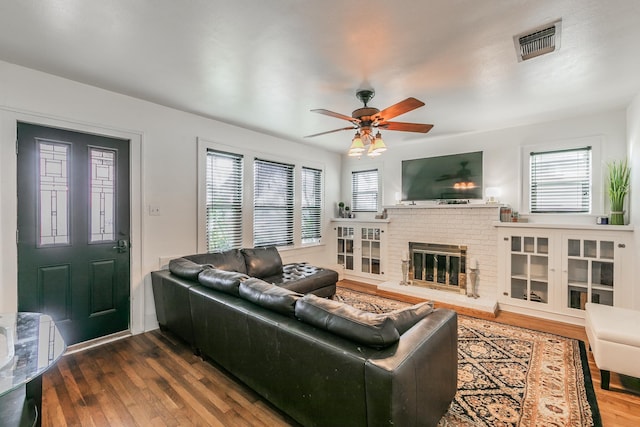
320,361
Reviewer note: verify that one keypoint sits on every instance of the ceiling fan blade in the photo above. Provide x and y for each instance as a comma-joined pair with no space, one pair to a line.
336,115
330,131
406,127
401,107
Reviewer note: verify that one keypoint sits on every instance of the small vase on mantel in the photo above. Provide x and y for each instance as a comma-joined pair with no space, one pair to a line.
618,188
617,218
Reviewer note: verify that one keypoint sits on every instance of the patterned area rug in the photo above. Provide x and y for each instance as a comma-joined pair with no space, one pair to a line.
510,376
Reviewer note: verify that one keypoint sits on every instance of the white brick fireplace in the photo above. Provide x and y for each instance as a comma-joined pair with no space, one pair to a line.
468,225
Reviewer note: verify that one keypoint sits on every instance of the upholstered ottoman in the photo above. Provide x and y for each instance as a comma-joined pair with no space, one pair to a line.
614,338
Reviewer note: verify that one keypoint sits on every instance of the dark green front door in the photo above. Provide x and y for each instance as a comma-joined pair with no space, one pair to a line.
73,230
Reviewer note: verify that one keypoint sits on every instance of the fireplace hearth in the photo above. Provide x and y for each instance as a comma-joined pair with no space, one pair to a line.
438,266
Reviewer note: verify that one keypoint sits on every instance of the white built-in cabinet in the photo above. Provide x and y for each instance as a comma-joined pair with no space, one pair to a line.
360,247
558,270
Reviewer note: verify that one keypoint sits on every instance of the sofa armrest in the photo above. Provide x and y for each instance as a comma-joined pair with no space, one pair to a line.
171,298
417,382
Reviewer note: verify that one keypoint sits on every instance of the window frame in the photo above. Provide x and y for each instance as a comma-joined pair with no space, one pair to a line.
248,182
597,185
378,193
237,243
318,196
542,185
270,167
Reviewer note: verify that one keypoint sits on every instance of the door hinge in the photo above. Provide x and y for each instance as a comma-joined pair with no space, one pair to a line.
17,236
16,147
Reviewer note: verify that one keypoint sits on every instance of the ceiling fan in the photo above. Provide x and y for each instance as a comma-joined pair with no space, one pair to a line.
366,119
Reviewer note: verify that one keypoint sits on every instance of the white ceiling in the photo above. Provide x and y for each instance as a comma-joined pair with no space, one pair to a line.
264,64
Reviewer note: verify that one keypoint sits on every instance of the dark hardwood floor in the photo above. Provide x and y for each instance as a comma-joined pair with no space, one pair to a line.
153,379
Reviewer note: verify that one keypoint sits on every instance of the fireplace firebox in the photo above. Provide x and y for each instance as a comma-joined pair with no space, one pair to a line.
438,266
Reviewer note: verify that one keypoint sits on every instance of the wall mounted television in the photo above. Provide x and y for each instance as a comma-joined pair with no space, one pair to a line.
452,177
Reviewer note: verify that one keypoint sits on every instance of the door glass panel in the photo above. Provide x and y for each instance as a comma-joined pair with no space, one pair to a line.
102,187
528,244
590,248
543,245
574,247
606,250
515,244
53,193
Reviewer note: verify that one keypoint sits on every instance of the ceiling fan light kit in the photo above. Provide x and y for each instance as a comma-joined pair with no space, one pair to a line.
357,147
367,119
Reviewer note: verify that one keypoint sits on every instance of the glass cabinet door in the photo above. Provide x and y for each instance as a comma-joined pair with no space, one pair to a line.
345,247
370,259
529,279
590,270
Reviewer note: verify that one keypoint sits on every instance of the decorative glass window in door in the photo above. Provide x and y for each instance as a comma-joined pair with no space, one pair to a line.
53,193
102,189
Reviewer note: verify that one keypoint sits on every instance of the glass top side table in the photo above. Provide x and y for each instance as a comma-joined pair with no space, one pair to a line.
30,343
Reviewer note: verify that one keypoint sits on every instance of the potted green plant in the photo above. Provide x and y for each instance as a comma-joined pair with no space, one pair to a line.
618,188
341,210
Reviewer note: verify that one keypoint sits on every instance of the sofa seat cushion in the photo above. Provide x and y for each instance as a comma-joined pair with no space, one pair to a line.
269,296
614,324
341,319
231,260
303,278
262,262
298,271
186,268
221,280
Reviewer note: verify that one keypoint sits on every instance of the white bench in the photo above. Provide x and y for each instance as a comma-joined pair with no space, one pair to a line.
614,338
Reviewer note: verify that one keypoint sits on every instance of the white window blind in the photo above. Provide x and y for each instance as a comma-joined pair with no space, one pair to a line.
364,190
560,181
311,204
224,200
272,204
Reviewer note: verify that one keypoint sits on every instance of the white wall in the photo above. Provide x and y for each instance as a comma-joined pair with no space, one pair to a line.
165,169
633,137
502,156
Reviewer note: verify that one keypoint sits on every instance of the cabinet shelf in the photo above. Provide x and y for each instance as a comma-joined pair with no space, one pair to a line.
577,284
605,288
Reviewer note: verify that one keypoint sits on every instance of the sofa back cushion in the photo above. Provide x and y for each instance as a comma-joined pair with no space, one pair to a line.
222,280
186,268
262,262
231,260
349,322
269,296
405,318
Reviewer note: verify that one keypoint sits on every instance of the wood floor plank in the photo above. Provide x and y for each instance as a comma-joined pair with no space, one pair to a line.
190,397
154,379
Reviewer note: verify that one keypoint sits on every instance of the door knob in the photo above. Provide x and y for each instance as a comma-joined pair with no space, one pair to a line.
122,246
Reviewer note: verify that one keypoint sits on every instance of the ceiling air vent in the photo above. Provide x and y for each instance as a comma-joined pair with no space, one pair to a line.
539,41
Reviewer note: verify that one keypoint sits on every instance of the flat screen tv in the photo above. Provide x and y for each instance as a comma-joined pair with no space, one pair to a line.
452,177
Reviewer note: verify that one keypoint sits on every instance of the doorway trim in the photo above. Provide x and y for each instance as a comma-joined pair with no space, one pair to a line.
9,119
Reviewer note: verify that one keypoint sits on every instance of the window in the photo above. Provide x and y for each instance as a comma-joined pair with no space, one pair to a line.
224,201
364,190
560,181
53,189
272,204
311,204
